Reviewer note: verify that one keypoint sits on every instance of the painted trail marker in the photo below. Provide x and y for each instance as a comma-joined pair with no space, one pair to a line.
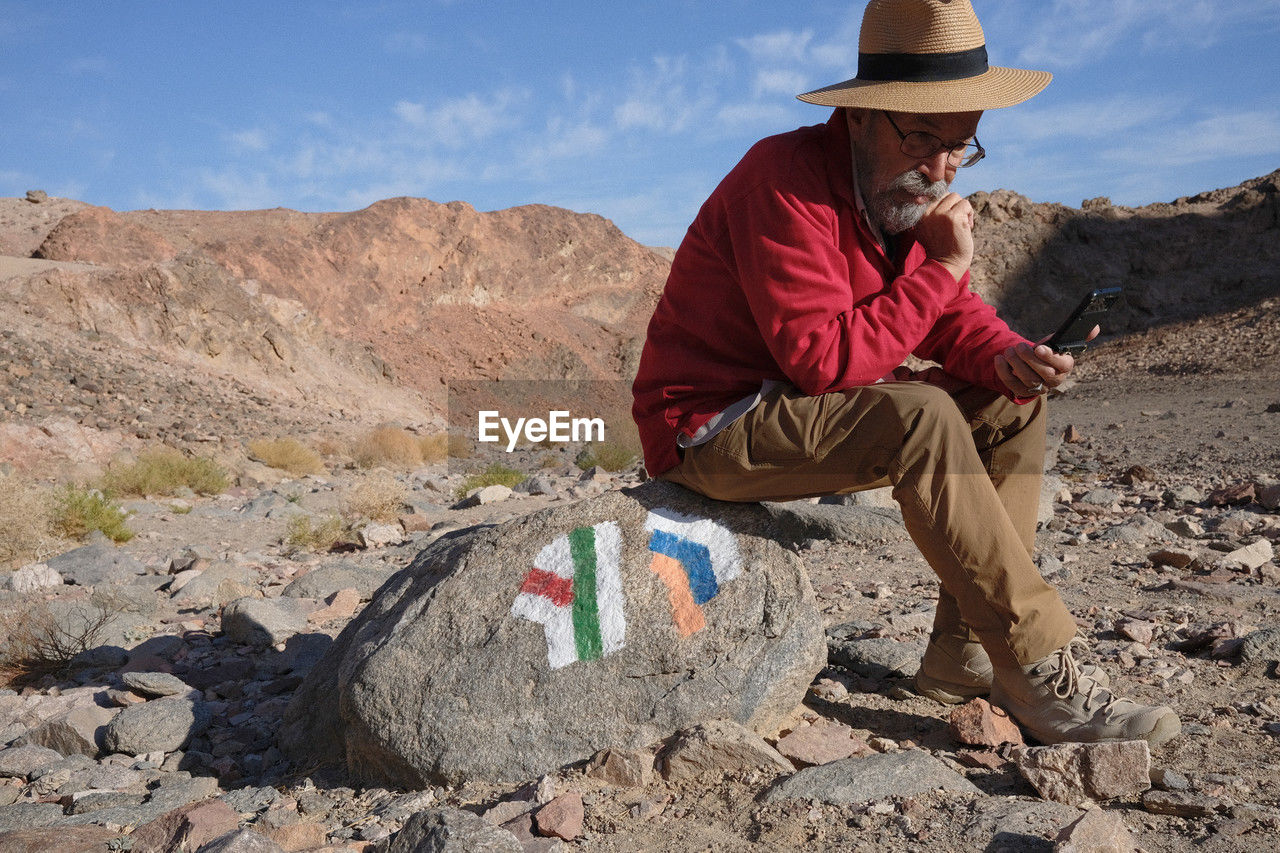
574,590
693,557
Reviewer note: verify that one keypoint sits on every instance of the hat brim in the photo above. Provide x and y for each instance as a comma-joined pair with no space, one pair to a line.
994,88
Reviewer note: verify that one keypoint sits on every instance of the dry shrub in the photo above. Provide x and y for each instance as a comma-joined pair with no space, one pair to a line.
322,535
36,642
286,454
163,471
389,446
26,513
330,447
379,497
435,448
496,474
460,447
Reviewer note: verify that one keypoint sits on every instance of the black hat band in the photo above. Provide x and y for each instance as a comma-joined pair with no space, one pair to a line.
922,67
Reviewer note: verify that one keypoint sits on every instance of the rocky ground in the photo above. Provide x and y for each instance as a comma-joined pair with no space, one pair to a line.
1159,527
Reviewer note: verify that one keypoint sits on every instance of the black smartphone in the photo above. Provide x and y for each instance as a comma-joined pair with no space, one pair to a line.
1070,337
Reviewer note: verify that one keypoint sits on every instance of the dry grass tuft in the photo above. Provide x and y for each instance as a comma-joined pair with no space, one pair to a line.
286,454
496,474
378,497
322,535
26,512
435,448
460,447
163,471
387,446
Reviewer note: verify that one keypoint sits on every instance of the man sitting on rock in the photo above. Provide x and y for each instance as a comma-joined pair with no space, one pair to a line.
772,368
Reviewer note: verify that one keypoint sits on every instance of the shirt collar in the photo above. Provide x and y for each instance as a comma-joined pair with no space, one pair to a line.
845,175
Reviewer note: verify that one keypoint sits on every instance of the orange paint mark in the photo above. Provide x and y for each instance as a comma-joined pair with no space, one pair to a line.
686,614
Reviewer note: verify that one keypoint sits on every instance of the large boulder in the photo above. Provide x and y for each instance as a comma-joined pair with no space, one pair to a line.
504,652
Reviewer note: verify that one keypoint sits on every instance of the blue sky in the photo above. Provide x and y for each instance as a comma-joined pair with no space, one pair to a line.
630,110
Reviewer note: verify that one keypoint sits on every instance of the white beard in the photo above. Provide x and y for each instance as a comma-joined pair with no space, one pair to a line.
894,216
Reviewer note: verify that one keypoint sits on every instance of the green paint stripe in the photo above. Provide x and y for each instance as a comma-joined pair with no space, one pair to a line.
586,615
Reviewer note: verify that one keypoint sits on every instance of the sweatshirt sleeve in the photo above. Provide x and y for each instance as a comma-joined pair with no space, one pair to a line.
966,339
797,283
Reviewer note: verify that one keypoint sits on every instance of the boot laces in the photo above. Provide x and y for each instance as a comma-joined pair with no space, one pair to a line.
1069,680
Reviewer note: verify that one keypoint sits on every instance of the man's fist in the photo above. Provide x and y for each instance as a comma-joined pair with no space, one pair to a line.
946,232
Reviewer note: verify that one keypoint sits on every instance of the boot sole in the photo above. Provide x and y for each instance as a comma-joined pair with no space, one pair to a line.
947,693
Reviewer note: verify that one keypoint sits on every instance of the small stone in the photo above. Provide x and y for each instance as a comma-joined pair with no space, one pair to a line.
1071,435
562,817
1181,496
485,495
821,742
263,622
188,827
1096,831
1178,558
341,606
721,746
33,577
829,690
1252,556
981,758
626,768
1234,495
882,744
1138,474
1180,803
1138,630
302,835
242,841
22,761
1261,645
378,535
162,724
978,723
1074,773
155,684
1269,496
1169,780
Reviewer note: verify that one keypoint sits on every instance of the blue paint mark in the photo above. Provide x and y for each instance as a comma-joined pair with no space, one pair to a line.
696,560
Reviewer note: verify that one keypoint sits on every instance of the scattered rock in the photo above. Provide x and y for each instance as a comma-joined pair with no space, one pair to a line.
1096,831
875,657
801,520
978,723
155,684
1181,804
1178,558
264,621
873,777
626,768
1252,556
159,725
32,577
561,818
1261,645
241,841
1075,773
96,565
720,746
448,830
187,827
378,535
821,742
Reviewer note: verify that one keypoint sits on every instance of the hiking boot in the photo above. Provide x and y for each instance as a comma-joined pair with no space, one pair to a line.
1056,702
955,670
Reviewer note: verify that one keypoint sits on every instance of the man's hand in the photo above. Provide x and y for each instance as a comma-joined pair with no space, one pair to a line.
1028,371
946,232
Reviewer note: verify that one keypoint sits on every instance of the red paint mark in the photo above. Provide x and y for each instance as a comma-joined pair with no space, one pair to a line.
549,585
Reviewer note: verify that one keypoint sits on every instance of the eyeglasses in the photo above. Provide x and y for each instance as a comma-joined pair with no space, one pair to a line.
923,145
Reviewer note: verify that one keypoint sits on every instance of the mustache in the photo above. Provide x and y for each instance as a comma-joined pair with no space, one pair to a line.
917,184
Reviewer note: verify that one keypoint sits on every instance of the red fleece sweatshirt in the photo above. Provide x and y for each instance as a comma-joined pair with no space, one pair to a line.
780,278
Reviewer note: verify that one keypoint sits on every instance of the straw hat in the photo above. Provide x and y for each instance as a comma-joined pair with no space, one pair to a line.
927,56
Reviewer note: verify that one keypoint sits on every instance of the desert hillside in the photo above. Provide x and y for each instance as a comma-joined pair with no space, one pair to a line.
195,326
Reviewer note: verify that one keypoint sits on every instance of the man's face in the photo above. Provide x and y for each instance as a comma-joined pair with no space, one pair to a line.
898,188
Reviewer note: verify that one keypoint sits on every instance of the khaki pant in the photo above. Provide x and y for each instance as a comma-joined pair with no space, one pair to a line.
965,468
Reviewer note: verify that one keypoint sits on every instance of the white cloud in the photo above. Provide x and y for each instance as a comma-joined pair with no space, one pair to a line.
1248,133
1072,33
786,46
459,121
779,82
253,139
